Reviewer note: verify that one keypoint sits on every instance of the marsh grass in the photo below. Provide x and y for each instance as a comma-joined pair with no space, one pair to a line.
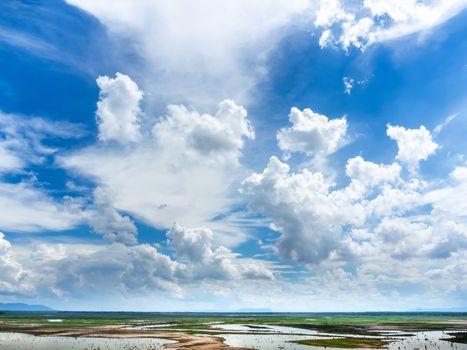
347,343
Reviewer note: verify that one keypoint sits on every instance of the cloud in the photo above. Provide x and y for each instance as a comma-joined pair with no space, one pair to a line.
105,219
372,21
199,52
329,12
26,207
83,270
193,245
300,207
118,109
219,137
370,173
26,141
348,85
447,201
181,171
414,145
357,33
312,133
380,213
28,42
11,272
445,122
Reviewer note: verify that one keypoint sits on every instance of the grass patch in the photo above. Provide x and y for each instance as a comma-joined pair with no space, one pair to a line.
460,337
347,343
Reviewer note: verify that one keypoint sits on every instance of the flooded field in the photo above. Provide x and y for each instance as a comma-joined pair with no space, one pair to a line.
152,331
18,341
432,340
263,329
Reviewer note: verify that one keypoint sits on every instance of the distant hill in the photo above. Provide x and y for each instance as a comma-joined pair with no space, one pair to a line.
23,307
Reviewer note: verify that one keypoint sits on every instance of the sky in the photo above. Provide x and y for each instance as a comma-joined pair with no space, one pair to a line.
200,155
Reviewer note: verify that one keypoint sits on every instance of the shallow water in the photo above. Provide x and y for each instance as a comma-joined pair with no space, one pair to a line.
151,326
270,338
18,341
267,341
419,341
245,328
426,341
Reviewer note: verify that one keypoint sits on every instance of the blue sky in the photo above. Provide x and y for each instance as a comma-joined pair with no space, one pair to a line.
197,156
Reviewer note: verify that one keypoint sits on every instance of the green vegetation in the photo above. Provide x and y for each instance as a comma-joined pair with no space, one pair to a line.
348,343
335,323
459,337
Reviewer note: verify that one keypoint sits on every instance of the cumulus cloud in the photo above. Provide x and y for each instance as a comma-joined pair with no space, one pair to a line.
219,137
118,109
329,12
181,171
312,133
194,245
301,209
369,173
380,212
11,272
414,145
371,21
77,269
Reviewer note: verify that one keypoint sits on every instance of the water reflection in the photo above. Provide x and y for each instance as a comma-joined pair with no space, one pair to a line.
18,341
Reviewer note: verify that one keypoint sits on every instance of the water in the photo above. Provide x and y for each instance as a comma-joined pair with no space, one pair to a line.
267,337
418,341
18,341
268,329
151,326
426,341
267,341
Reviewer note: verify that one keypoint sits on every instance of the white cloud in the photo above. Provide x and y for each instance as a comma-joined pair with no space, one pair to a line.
118,109
348,85
219,137
370,173
381,213
329,12
448,201
312,133
414,145
23,140
357,33
194,246
26,207
180,172
11,272
199,52
301,208
105,219
86,270
370,21
445,122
